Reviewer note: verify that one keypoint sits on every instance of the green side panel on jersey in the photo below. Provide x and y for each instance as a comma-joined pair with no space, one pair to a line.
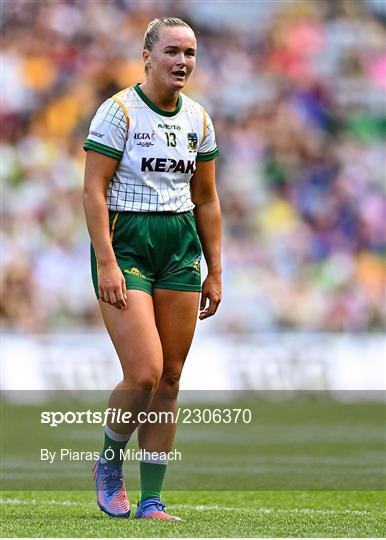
102,149
207,156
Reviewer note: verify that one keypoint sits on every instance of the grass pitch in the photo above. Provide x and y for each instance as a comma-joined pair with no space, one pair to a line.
209,514
306,468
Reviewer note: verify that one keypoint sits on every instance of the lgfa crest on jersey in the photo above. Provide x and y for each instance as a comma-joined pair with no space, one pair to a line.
192,141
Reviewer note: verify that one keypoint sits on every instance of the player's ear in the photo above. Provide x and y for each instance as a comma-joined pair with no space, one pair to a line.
146,58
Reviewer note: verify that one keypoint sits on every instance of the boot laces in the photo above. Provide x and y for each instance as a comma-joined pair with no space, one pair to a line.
113,482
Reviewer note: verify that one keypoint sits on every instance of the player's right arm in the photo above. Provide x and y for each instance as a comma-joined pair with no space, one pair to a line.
98,173
104,146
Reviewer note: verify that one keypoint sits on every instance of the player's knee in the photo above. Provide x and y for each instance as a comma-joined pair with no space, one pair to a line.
147,379
170,383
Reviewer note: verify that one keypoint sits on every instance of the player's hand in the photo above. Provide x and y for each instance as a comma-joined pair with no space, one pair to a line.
112,285
211,292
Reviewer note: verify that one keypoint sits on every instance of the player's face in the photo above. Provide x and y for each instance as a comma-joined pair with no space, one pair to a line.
173,58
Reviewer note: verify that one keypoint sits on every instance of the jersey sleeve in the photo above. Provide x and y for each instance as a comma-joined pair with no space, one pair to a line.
208,148
108,130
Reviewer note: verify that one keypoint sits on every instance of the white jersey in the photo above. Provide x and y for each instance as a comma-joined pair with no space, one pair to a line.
157,150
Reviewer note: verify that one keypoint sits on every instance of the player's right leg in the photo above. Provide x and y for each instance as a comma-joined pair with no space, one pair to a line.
135,337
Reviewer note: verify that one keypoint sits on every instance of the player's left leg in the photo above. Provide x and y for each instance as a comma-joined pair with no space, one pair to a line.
176,316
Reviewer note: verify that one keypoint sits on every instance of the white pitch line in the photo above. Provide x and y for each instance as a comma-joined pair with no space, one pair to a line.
36,502
271,510
205,508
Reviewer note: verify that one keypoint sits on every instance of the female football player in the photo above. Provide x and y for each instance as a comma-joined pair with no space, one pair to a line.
151,207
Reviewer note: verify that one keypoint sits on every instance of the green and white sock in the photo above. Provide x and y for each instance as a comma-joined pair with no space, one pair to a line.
114,446
152,472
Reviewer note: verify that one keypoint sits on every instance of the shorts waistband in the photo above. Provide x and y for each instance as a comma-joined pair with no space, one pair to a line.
163,213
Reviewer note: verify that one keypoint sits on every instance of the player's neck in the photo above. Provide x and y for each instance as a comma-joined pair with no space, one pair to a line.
162,99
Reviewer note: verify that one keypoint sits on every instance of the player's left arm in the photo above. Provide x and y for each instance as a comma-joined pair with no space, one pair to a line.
208,219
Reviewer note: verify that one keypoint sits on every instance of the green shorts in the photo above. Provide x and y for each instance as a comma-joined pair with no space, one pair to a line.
158,249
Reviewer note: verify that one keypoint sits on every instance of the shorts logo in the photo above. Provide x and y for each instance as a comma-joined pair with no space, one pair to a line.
192,141
196,265
135,272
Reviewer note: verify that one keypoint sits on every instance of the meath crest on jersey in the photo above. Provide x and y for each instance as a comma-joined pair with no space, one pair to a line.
192,141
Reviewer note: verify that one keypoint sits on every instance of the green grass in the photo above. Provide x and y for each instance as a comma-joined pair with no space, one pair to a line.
303,467
205,514
294,445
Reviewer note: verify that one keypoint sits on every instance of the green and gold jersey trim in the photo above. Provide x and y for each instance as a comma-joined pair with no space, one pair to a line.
102,149
207,156
117,99
113,227
153,107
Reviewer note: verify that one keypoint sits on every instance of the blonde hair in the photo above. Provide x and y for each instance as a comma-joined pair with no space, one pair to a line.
153,30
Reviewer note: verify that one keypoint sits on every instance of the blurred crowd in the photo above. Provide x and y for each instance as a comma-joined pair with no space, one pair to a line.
296,90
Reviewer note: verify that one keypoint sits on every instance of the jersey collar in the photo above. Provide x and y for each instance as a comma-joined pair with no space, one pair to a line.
154,107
